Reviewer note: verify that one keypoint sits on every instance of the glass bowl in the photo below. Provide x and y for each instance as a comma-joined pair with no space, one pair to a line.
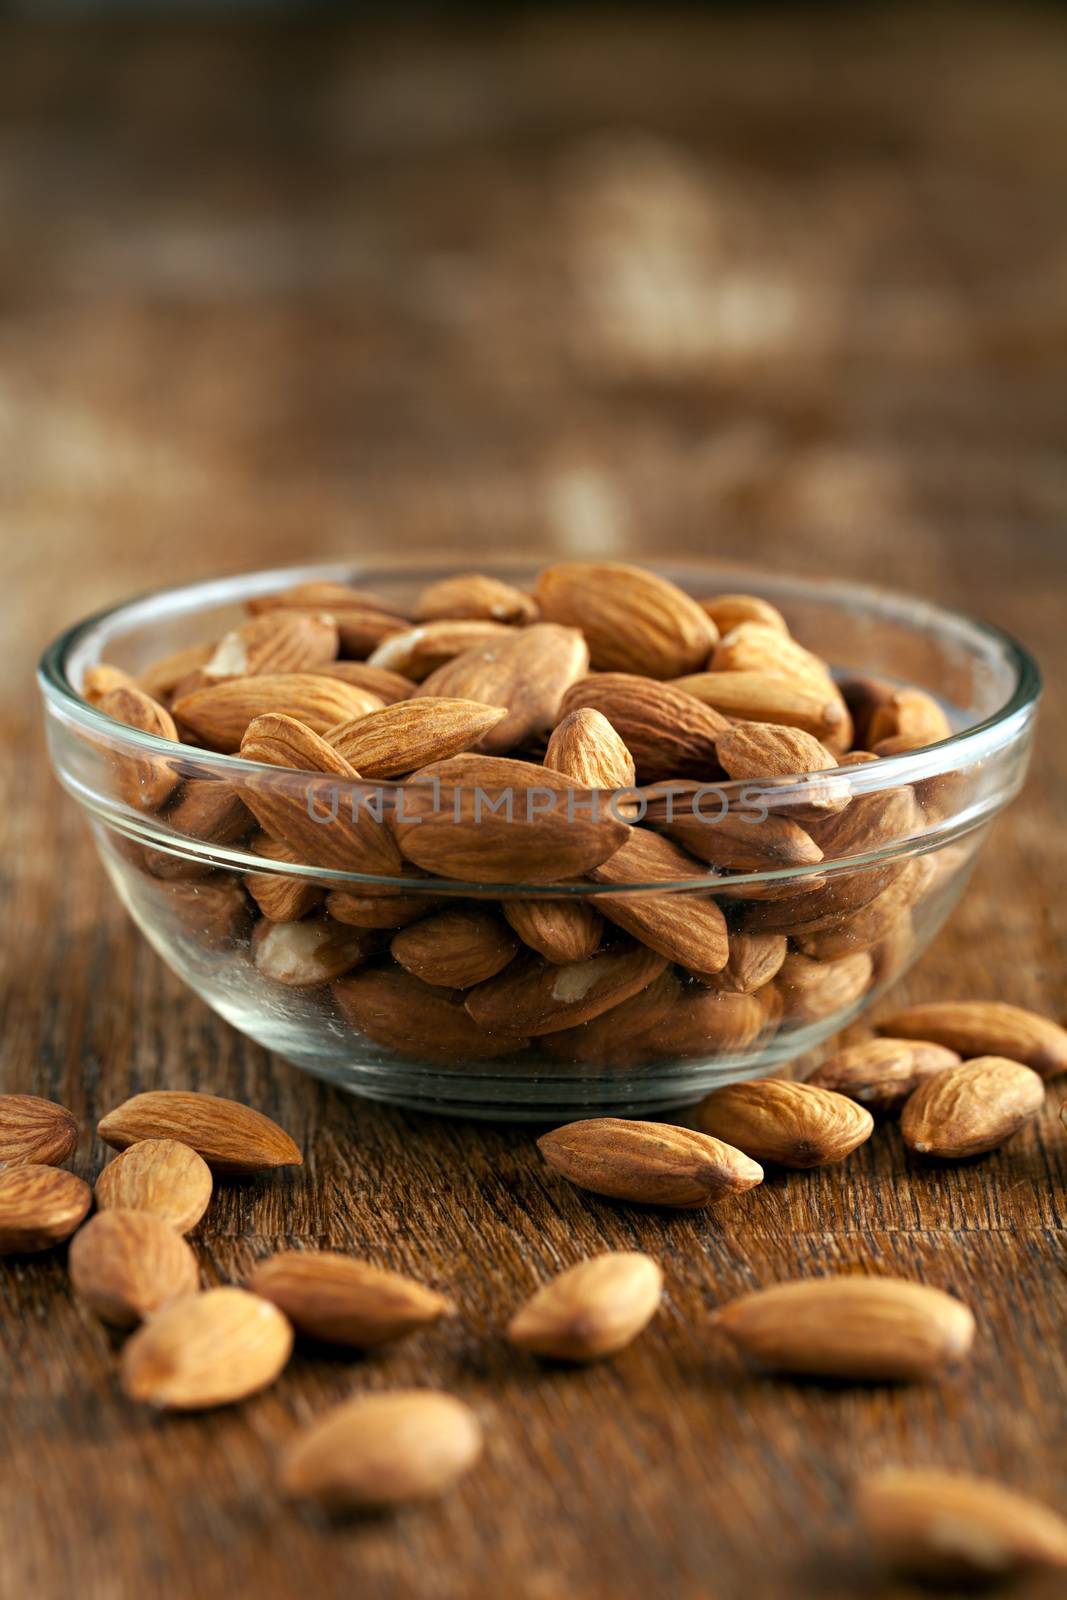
815,935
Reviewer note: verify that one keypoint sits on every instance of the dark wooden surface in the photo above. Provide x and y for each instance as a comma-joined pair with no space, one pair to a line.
784,290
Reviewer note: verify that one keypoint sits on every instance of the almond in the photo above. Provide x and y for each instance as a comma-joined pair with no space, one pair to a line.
625,1036
278,740
35,1132
811,990
388,686
593,1309
634,621
99,680
302,955
728,611
145,782
789,1124
560,930
39,1207
584,746
882,1073
331,1297
209,1349
472,594
231,1137
985,1028
757,647
412,733
492,820
384,911
648,1163
759,750
950,1529
381,1450
209,809
908,714
456,947
404,1014
887,816
854,1328
163,676
528,672
668,733
416,652
841,934
754,959
126,1264
216,915
969,1109
319,595
761,697
160,1176
685,927
809,903
278,641
715,1026
531,997
281,898
863,695
748,839
219,715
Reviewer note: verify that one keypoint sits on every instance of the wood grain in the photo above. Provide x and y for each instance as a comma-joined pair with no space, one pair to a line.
784,291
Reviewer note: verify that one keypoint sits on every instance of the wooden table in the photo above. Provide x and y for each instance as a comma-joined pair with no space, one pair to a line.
778,290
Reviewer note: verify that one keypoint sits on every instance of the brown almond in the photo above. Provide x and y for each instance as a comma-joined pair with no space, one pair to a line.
528,672
634,621
650,1163
586,748
281,898
560,930
163,676
215,914
126,1264
456,947
594,1309
416,652
886,816
909,714
747,839
687,927
99,679
531,997
209,809
385,911
206,1350
946,1528
760,751
35,1131
971,1108
856,1328
761,697
388,686
668,733
383,1450
492,820
39,1207
789,1124
754,960
303,955
715,1026
341,1301
882,1073
277,641
728,611
320,595
416,1020
812,901
840,934
985,1028
625,1036
412,733
144,782
473,594
278,740
161,1176
231,1137
811,990
757,647
219,714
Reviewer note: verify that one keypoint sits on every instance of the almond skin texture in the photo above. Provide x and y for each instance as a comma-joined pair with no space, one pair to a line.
411,733
388,686
126,1264
743,840
456,948
145,783
882,1073
755,958
633,620
531,997
340,1301
383,1450
755,647
849,1327
528,672
560,930
814,989
472,594
649,1163
586,748
416,652
209,1349
278,641
911,715
159,1176
229,1136
759,697
39,1207
757,750
950,1529
985,1028
593,1309
972,1108
219,715
790,1124
281,898
35,1131
413,1018
277,740
685,927
728,611
100,679
668,733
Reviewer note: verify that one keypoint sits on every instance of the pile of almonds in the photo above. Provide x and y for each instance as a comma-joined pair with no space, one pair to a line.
605,677
963,1075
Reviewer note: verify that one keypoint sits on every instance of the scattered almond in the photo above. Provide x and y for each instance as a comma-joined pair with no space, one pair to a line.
593,1309
39,1207
208,1349
160,1176
985,1028
126,1264
341,1301
882,1073
648,1163
231,1137
789,1124
971,1108
35,1131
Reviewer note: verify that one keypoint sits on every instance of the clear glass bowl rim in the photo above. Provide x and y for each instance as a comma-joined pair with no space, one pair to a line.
994,734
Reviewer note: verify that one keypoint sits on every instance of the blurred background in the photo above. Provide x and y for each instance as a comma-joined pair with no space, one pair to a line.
787,285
